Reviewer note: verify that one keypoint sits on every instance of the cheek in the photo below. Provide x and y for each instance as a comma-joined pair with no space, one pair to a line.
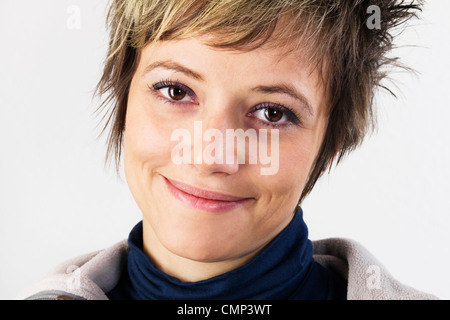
295,163
144,143
296,158
146,147
146,140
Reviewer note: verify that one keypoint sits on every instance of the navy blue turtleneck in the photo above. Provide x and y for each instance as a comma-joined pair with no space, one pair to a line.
284,269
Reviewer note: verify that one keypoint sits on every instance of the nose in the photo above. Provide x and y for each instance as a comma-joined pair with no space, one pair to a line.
213,152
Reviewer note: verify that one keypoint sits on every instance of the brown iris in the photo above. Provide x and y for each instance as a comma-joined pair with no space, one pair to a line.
273,115
176,93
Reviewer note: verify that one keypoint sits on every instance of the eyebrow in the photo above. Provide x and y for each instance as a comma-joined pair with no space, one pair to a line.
280,89
172,65
290,91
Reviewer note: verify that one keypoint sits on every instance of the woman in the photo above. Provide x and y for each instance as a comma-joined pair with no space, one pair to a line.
227,113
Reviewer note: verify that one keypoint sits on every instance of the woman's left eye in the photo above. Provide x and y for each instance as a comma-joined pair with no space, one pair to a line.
271,115
276,115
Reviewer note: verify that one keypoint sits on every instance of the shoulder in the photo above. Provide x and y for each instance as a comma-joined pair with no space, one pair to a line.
367,278
88,276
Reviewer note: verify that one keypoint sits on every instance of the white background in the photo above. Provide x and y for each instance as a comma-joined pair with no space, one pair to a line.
57,200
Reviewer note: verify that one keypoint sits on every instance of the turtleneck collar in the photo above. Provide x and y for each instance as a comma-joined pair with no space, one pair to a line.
284,269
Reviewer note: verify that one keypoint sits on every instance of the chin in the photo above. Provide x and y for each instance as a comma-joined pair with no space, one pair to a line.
206,238
206,253
203,250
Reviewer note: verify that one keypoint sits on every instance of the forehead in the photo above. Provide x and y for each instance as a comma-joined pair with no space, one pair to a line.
266,69
197,53
260,66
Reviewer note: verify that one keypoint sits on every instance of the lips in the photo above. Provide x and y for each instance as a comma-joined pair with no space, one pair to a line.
204,199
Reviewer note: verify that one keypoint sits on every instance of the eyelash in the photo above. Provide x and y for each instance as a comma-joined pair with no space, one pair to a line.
169,83
288,112
293,118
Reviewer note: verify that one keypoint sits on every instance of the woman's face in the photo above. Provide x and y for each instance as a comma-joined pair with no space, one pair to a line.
199,207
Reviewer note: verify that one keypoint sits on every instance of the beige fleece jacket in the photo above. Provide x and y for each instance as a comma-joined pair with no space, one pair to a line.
92,275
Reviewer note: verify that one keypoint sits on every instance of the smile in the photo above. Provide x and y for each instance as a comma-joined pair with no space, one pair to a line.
203,199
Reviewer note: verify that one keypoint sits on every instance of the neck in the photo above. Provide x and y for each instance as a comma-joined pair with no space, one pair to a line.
283,269
183,268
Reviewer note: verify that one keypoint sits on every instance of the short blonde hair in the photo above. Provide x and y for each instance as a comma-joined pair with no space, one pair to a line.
333,33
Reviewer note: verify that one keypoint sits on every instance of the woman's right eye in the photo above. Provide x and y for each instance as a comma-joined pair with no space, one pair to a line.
174,92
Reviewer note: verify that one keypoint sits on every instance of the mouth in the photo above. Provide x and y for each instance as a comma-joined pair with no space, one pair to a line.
202,199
